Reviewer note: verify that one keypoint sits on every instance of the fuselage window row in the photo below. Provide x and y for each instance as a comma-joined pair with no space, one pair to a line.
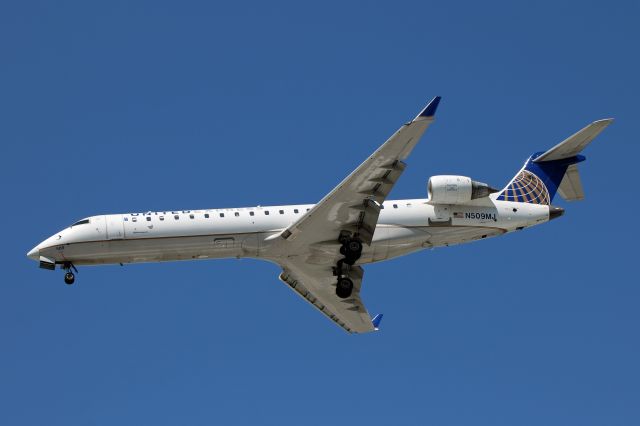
206,215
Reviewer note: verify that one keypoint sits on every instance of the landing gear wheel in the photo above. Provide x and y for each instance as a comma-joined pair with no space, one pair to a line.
69,278
354,247
351,249
344,287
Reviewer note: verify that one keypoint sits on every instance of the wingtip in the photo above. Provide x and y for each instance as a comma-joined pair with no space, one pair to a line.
430,109
376,322
604,121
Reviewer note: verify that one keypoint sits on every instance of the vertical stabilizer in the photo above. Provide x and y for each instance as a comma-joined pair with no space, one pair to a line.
555,170
537,183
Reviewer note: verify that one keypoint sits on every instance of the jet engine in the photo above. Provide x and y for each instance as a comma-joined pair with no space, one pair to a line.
448,189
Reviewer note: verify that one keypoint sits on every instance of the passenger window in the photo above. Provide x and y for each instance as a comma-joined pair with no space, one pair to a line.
206,215
308,209
176,217
148,218
281,211
161,217
295,211
221,214
266,212
408,204
395,206
251,213
236,214
191,216
126,219
134,219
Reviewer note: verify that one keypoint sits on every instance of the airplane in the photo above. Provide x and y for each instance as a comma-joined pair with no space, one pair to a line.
321,247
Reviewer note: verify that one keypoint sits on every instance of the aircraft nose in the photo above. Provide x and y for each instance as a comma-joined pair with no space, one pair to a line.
34,253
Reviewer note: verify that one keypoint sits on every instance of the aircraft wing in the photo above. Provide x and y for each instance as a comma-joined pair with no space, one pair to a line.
317,285
354,204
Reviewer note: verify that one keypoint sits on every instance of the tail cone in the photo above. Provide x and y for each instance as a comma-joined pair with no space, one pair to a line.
555,212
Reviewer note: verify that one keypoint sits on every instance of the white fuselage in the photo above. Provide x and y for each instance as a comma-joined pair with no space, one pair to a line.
404,226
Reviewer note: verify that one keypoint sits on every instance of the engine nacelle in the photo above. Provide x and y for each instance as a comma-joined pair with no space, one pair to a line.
448,189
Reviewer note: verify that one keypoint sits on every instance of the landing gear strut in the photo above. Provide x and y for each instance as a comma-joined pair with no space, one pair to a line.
69,277
351,249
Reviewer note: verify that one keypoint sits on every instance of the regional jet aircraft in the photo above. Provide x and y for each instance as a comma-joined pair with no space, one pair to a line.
322,247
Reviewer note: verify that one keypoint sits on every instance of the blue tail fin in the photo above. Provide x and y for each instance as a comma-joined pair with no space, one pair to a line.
538,182
546,173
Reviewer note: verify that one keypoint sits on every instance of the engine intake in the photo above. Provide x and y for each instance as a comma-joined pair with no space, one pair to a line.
449,189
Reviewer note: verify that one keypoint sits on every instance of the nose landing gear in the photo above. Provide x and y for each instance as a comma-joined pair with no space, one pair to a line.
69,276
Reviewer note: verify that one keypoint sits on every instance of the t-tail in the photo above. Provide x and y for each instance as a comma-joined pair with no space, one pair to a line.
555,171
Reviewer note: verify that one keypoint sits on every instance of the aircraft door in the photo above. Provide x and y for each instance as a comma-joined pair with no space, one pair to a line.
115,227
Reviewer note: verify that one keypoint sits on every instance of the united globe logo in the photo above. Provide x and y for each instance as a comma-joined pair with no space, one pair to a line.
526,187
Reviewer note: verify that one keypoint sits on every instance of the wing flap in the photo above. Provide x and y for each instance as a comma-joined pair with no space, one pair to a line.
380,187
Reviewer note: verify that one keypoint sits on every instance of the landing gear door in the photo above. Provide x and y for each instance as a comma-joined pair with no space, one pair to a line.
115,227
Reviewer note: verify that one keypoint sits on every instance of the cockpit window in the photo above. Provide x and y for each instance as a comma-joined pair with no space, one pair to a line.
81,222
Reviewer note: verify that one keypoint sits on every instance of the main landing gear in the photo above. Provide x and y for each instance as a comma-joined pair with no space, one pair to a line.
351,249
344,287
69,276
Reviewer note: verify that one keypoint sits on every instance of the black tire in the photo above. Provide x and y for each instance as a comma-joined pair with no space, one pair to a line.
355,247
349,261
344,287
69,278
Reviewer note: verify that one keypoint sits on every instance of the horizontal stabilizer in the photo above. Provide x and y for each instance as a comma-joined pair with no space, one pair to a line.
571,186
572,146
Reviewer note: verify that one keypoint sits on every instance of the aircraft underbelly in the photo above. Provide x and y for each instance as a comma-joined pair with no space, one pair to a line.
398,241
162,249
389,242
451,235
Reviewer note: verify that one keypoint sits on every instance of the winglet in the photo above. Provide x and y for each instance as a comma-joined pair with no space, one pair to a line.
430,109
376,322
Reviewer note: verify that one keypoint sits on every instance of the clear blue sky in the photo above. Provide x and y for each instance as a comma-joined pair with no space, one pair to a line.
132,106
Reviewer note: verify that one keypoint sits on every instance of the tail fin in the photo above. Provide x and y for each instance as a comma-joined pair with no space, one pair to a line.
555,170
